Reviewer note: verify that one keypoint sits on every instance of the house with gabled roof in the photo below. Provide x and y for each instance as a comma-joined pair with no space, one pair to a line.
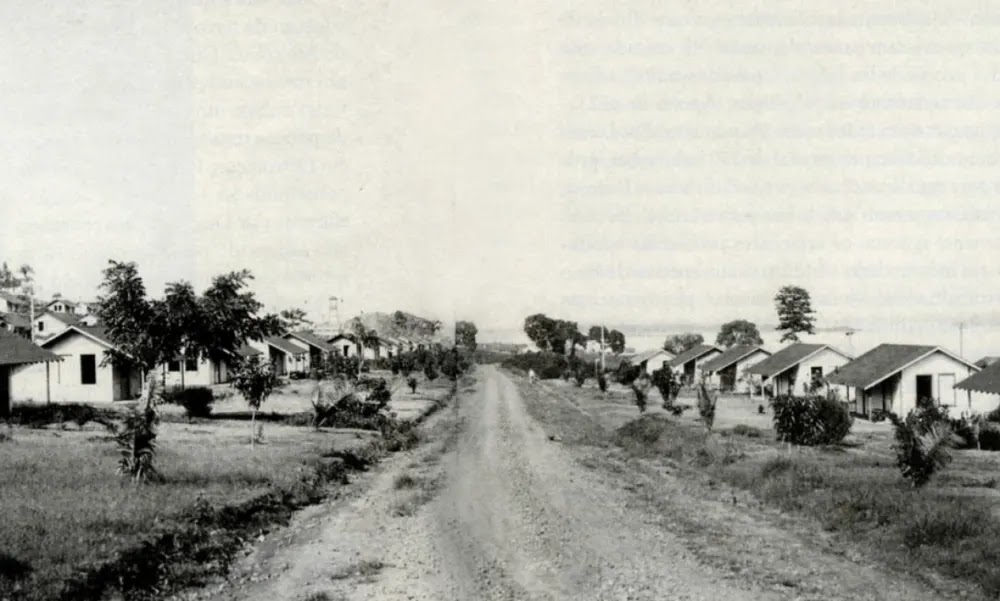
987,361
892,377
50,323
13,303
344,344
283,355
651,360
82,375
63,305
313,344
687,364
16,324
17,353
793,369
727,371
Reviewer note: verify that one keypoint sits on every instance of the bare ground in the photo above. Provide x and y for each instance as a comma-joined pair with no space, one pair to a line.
495,509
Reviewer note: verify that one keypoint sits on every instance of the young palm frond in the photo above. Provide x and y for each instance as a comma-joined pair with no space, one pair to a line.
921,448
136,445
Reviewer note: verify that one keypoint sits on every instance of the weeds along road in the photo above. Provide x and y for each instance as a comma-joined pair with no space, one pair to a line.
491,508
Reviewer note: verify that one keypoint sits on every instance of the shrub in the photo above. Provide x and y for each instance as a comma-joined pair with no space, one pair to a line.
197,400
994,416
810,420
298,375
35,415
136,440
989,437
921,443
430,372
580,376
412,383
602,382
760,409
640,387
627,373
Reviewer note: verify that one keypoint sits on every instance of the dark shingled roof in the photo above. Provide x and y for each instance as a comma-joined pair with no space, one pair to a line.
987,380
99,333
281,344
248,351
731,355
66,318
878,364
312,340
785,359
692,353
15,350
987,361
15,320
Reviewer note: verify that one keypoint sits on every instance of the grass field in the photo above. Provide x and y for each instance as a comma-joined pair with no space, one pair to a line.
851,491
65,511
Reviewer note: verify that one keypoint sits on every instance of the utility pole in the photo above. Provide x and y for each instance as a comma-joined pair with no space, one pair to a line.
602,349
961,338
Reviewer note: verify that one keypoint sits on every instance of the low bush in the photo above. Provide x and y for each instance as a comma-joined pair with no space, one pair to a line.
197,400
747,431
626,373
810,421
36,415
989,437
602,382
922,443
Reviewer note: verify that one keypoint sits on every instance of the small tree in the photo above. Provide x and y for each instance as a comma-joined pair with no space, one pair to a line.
640,388
293,319
616,341
465,335
667,383
412,383
255,380
430,372
795,313
922,444
706,405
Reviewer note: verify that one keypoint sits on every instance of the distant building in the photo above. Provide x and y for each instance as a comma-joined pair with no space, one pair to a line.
50,323
16,353
687,364
651,360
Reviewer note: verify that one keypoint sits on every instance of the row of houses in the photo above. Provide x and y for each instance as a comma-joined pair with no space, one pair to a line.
68,365
890,377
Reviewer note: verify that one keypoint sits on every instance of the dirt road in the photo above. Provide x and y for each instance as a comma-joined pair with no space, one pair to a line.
493,510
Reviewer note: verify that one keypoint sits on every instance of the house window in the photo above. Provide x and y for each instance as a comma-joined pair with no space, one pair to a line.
347,349
191,364
817,373
41,326
88,369
173,365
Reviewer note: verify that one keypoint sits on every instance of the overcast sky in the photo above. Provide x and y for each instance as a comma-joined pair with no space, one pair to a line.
621,162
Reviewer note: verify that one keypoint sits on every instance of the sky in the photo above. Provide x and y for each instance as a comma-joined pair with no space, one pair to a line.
630,164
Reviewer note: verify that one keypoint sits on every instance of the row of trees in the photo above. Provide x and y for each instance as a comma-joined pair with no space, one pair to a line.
795,316
553,335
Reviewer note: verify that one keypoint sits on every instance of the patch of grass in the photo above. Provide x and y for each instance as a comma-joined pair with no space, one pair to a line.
70,518
365,570
747,431
416,497
405,481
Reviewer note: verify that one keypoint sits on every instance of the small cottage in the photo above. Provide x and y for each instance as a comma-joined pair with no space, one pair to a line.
687,364
312,344
82,375
50,323
284,356
728,370
892,377
651,360
794,369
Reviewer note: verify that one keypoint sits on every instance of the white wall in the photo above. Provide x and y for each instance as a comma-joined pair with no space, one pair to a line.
28,382
51,327
203,376
656,362
826,359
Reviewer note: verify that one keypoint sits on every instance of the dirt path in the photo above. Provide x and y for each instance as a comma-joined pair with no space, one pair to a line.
494,509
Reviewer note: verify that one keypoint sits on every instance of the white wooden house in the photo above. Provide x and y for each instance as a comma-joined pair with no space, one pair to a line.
81,376
892,377
728,370
793,369
687,365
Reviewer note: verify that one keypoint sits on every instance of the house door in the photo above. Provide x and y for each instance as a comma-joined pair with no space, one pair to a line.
727,379
925,387
946,389
125,383
4,391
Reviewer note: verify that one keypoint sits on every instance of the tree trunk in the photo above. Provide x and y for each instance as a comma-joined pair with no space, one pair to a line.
253,427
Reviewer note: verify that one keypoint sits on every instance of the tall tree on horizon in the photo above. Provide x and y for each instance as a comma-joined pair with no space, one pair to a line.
795,313
678,343
737,332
